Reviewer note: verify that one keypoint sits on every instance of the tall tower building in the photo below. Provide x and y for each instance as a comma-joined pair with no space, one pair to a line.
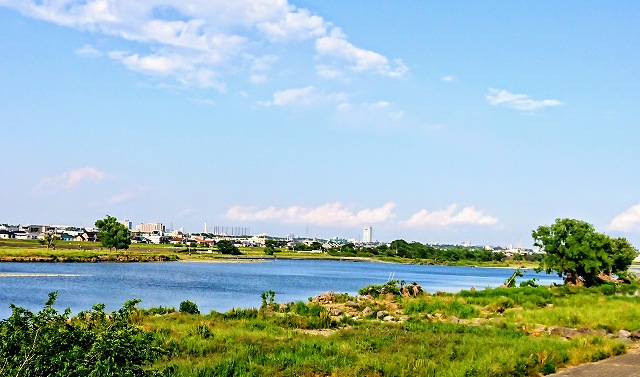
367,235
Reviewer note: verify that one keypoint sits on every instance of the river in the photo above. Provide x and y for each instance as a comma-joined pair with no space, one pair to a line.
221,286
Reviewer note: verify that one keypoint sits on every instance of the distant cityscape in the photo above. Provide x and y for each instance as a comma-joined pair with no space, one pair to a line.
158,233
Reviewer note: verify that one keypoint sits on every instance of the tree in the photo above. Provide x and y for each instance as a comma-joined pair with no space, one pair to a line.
270,247
227,247
49,239
113,234
580,255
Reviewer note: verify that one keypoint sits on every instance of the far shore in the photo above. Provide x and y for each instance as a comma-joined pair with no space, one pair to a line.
91,252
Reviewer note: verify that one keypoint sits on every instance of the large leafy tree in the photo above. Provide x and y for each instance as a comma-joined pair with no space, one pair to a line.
113,234
580,255
227,247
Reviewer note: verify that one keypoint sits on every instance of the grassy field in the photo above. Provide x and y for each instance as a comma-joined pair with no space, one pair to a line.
497,332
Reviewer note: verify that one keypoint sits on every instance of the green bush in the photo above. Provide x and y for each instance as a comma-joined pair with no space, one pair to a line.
189,307
49,343
376,290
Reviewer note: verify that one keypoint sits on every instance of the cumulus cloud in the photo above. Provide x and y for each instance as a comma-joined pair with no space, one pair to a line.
70,179
309,95
200,42
337,46
498,97
330,214
627,221
449,216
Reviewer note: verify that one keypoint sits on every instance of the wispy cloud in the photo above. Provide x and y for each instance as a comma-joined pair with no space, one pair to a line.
70,179
336,45
380,113
448,78
498,97
309,95
89,51
627,221
330,214
122,197
449,216
201,42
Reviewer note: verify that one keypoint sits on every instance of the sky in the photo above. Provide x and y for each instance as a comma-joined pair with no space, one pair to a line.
431,121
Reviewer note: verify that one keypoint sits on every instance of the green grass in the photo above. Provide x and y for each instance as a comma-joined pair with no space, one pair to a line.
301,339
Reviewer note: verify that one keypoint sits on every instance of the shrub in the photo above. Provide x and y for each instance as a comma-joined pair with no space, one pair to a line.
189,307
376,290
49,343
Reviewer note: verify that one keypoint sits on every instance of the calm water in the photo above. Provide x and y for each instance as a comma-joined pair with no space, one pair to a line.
220,286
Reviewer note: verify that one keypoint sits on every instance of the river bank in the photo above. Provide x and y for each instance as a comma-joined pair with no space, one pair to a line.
74,252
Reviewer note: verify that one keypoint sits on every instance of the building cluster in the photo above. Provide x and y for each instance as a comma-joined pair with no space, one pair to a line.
34,232
157,233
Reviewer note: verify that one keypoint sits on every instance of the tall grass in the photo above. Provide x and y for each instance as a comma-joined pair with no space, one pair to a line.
284,341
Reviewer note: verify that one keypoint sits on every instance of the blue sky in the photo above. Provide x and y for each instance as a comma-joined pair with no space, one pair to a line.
430,121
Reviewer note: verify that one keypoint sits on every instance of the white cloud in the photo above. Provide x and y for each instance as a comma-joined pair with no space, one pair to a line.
70,179
627,221
329,72
193,42
497,97
309,95
449,216
330,214
187,72
88,51
297,23
336,45
448,78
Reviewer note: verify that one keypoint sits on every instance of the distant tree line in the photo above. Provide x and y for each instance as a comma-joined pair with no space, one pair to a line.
416,250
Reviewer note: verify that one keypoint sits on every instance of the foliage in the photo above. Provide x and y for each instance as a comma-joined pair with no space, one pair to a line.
268,295
227,247
113,234
579,254
49,343
392,286
49,239
189,307
273,246
511,281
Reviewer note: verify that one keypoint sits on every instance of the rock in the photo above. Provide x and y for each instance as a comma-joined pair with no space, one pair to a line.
454,319
389,318
336,311
367,311
367,298
411,290
325,298
351,304
381,314
564,332
623,334
635,335
586,331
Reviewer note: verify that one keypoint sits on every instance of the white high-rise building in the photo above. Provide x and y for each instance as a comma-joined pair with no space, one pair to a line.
367,236
127,223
